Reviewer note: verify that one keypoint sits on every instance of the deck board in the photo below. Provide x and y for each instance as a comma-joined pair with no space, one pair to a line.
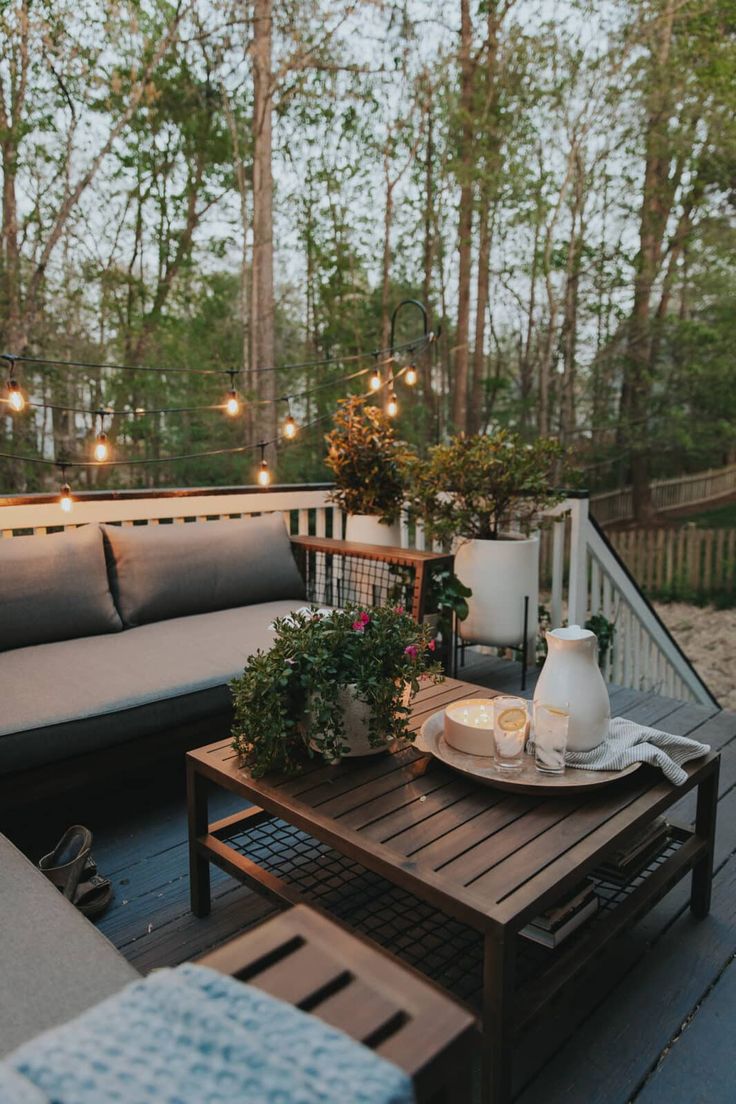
625,1012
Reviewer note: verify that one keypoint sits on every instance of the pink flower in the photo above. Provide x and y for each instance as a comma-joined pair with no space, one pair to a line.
432,645
411,650
398,609
358,626
364,618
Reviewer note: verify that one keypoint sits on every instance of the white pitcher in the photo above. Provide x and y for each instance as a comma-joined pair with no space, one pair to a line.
571,680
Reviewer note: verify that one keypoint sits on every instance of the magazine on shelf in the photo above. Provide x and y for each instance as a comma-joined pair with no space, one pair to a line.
628,862
559,921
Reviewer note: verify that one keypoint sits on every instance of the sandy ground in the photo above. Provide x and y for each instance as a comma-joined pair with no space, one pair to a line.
707,636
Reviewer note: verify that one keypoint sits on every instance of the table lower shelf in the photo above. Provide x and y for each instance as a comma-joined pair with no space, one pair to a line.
296,867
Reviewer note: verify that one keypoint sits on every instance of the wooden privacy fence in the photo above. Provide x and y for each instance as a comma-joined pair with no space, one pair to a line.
668,494
680,563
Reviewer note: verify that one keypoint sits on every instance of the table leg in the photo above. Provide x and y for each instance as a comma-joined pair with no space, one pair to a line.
705,828
499,965
199,867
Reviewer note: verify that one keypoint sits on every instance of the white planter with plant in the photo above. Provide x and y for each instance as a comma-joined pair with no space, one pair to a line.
333,683
368,464
482,496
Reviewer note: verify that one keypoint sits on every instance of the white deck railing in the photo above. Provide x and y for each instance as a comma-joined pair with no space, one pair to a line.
306,509
668,494
587,576
644,654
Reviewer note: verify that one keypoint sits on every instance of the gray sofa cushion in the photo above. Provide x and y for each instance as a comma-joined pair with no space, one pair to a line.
162,571
83,695
54,587
53,963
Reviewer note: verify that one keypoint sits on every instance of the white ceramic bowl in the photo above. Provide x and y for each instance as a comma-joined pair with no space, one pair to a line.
469,726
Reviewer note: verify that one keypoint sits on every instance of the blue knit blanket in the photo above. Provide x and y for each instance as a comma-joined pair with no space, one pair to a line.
193,1036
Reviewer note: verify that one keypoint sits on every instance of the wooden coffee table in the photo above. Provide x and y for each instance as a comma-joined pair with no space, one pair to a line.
486,858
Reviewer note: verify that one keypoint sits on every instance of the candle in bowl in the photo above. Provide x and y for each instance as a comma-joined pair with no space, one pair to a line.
469,726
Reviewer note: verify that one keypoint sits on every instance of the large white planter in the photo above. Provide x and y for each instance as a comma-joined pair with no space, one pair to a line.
501,574
369,529
571,680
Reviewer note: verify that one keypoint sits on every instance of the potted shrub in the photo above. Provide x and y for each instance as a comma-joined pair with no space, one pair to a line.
334,683
482,497
368,463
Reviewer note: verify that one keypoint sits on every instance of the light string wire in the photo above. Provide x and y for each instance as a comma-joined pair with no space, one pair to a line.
106,411
66,463
415,345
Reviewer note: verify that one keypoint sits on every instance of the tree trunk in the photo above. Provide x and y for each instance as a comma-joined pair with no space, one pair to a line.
262,294
475,413
388,212
465,222
570,309
428,254
657,197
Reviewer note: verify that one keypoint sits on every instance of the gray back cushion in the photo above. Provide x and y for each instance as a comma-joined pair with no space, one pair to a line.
54,587
162,571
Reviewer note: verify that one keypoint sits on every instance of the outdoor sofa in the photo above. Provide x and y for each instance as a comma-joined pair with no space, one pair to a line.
117,643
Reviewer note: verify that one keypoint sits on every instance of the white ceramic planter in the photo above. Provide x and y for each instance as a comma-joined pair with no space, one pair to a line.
369,529
500,573
571,680
356,715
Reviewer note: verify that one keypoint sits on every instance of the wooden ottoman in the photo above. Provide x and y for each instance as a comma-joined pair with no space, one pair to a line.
304,958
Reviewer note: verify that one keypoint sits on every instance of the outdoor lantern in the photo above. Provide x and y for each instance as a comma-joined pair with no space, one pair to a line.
65,498
102,448
290,427
411,375
392,406
232,403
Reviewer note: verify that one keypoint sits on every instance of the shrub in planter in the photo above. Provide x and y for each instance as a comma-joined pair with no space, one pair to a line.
368,463
470,494
301,695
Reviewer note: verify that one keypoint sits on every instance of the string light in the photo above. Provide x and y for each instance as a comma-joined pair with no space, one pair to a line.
65,494
16,399
102,449
410,375
375,383
232,402
392,406
290,427
264,475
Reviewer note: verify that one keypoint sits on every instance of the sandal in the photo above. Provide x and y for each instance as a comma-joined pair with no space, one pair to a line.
93,896
64,865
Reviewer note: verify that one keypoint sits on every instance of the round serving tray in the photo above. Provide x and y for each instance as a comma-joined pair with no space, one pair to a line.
431,739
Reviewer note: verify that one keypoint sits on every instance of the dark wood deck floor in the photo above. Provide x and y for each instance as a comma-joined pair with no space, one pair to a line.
652,1022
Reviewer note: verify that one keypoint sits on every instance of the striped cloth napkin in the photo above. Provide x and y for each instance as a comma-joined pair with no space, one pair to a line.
629,742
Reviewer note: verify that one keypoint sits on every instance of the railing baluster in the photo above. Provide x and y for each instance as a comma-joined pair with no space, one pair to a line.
558,570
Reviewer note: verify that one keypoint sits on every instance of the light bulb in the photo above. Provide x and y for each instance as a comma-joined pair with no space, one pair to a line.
232,405
16,401
65,499
375,380
102,448
392,406
410,375
264,475
290,427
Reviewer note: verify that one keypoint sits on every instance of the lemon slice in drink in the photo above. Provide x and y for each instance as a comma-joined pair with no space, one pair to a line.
512,720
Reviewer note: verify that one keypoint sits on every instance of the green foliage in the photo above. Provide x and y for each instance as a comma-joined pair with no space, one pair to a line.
286,700
367,460
477,486
448,597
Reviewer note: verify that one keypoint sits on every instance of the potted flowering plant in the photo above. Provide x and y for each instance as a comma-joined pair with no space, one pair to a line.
368,463
334,683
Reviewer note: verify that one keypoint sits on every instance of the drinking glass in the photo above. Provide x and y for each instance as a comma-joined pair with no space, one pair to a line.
510,731
550,738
